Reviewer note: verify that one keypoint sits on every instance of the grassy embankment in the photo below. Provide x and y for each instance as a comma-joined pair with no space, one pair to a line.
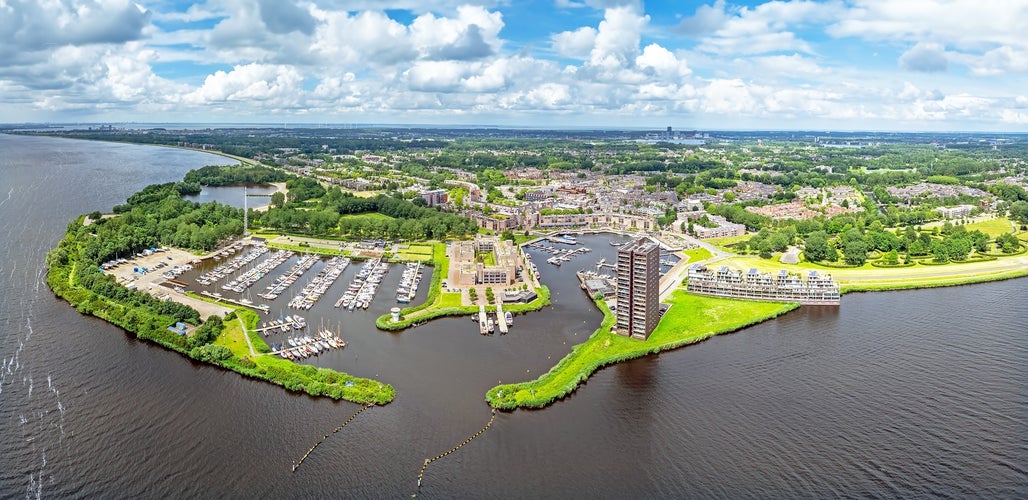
691,319
440,303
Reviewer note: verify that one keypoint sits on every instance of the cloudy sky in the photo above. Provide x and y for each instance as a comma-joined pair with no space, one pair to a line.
836,64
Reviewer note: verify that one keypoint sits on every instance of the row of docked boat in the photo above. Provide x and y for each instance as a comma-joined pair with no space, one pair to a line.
563,238
284,325
364,285
229,250
286,279
240,283
231,266
319,284
490,324
307,345
560,255
409,282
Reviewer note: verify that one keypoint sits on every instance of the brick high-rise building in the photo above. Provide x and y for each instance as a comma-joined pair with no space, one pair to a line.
638,288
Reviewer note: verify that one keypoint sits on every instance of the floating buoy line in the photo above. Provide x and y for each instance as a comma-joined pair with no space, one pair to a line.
296,464
421,475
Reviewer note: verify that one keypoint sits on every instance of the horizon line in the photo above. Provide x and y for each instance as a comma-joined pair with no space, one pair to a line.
576,128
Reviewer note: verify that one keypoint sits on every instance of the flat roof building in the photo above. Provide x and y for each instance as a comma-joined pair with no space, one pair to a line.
501,271
638,289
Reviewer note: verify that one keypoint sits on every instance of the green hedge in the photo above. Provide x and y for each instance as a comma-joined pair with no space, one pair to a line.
879,263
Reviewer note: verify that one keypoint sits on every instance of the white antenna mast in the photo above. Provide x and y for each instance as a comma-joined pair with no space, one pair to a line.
246,218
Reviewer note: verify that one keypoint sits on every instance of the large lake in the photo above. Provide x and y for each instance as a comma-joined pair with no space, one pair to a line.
899,394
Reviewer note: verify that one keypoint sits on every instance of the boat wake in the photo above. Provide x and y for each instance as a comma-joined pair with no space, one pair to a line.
9,193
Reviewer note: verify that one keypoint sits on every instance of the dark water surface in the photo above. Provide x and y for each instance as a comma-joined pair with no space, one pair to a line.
892,394
258,195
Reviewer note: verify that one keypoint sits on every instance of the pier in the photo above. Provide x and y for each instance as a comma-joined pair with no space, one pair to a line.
320,284
483,319
409,283
260,307
289,277
560,255
501,322
364,285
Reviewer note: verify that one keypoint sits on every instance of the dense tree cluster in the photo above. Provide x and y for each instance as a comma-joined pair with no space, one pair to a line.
1019,212
301,189
225,175
406,220
739,215
160,218
1007,243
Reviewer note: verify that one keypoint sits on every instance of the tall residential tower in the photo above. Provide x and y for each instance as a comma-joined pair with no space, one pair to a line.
638,289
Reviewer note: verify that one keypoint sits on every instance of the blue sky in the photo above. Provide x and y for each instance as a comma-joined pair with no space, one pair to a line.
834,65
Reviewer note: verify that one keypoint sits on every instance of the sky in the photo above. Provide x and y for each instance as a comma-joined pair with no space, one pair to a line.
907,65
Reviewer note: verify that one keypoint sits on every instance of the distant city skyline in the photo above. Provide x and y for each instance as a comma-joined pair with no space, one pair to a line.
879,65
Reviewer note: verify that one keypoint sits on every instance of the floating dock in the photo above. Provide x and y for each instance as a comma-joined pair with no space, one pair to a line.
260,307
501,322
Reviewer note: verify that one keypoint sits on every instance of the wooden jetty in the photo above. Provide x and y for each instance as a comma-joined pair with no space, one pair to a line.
483,319
260,307
501,322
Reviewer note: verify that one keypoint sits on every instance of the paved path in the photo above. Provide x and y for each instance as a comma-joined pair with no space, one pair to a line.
247,337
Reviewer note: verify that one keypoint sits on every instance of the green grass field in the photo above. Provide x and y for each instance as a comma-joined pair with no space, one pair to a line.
691,318
723,243
697,254
416,251
232,337
366,215
992,227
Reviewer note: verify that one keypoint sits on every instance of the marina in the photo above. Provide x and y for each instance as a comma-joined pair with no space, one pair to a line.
289,277
253,275
223,270
364,285
282,324
305,346
319,284
409,282
560,255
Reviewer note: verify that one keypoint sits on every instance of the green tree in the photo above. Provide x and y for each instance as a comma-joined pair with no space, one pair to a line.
816,247
278,199
940,251
855,252
1019,212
